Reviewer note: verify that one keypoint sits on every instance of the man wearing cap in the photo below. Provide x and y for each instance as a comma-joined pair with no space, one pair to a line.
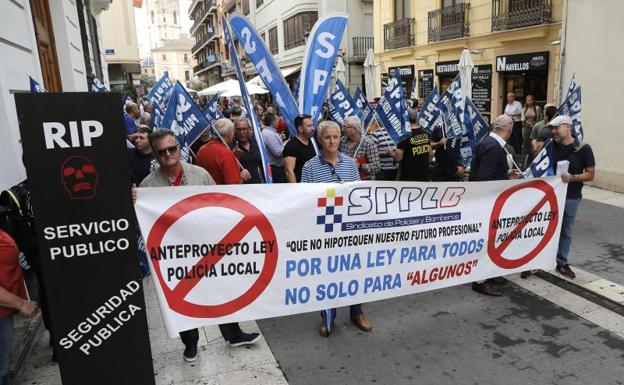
492,162
581,169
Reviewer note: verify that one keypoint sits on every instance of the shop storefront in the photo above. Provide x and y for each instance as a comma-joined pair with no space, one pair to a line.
425,83
481,82
407,74
524,74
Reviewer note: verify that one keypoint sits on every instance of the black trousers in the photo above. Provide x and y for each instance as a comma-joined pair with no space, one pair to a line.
387,174
278,173
515,140
444,174
228,331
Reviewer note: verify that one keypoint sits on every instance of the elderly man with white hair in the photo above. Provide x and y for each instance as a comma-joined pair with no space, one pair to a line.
217,158
492,162
359,147
332,166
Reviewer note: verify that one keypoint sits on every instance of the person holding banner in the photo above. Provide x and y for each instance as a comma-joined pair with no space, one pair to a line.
491,162
299,150
13,299
332,166
362,149
581,169
173,172
414,153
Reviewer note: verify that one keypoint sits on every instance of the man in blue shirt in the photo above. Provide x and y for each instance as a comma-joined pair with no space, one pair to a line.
333,166
132,114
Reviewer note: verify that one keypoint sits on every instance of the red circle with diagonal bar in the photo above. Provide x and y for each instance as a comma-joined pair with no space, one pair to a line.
252,218
496,253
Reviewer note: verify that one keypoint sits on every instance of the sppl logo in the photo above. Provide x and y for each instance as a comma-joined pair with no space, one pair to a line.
329,203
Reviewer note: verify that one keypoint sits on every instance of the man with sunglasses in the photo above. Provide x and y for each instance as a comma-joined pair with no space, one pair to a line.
332,166
173,172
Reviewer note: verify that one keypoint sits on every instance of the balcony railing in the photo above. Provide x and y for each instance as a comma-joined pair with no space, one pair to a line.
201,41
511,14
449,22
400,33
210,61
361,44
201,15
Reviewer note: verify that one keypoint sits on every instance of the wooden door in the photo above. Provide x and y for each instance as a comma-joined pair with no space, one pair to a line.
44,35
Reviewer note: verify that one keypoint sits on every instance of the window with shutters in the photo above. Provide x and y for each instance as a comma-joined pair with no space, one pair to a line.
297,27
273,47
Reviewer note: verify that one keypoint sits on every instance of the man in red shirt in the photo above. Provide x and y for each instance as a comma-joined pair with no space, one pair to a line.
13,299
217,158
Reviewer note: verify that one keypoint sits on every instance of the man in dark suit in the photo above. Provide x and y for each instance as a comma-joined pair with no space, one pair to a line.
493,162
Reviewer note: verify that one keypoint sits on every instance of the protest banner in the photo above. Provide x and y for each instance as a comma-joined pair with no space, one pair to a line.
157,116
394,94
429,113
160,92
342,104
475,129
221,254
367,114
542,165
318,62
185,119
211,111
35,87
451,111
97,85
389,119
571,106
247,104
76,161
267,68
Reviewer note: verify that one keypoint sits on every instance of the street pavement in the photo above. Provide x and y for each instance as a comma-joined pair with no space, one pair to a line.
537,333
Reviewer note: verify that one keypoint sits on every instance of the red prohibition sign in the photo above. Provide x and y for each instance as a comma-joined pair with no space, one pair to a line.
252,218
496,253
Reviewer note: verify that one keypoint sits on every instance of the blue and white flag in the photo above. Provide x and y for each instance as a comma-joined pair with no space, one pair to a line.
185,119
267,68
429,113
543,164
476,128
389,119
572,86
296,88
212,111
157,116
571,106
341,104
413,95
127,99
97,85
394,93
451,110
318,62
35,87
367,114
160,92
255,125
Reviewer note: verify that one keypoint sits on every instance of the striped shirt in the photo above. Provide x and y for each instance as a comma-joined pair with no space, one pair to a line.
384,142
367,155
318,170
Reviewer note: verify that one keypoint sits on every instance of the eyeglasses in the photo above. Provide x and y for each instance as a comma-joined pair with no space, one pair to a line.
168,150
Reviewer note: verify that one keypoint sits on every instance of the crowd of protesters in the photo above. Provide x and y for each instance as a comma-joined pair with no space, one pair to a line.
229,154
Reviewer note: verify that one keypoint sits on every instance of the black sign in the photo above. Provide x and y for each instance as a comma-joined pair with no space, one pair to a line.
407,78
76,160
482,87
450,68
384,81
528,62
425,83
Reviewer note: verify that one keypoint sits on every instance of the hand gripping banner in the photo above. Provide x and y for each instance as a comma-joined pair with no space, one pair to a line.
222,254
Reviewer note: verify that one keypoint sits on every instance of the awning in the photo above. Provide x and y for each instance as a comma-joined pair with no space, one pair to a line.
285,72
231,88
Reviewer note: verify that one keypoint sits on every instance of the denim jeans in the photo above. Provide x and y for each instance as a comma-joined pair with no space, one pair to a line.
571,207
6,335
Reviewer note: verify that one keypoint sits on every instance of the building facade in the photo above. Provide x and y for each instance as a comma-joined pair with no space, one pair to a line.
591,33
57,43
121,46
174,58
514,45
163,20
285,27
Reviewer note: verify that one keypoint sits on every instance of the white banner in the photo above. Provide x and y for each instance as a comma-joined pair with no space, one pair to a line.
222,254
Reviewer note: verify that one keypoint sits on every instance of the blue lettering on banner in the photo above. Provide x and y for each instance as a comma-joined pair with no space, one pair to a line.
318,62
400,222
159,94
267,68
255,125
212,112
429,112
341,103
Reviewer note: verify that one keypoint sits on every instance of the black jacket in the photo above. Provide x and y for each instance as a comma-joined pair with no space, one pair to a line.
489,162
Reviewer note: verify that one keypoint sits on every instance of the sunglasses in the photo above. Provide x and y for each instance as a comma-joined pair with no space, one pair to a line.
168,150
